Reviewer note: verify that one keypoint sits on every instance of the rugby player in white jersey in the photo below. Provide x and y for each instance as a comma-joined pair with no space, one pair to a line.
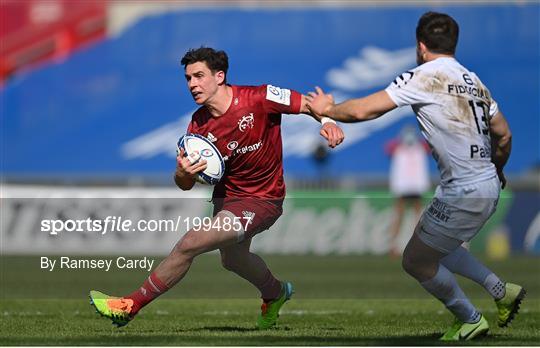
471,141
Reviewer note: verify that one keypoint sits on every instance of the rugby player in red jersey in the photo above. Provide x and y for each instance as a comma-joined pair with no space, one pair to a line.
244,124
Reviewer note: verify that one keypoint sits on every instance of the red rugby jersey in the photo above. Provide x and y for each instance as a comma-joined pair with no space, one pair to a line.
248,135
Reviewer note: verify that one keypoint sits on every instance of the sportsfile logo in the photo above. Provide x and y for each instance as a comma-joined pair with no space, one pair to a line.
249,148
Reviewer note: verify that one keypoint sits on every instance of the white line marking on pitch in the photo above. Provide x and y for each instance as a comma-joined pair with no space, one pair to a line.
289,312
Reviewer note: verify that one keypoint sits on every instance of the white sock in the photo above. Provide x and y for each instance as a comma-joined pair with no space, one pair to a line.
445,288
462,262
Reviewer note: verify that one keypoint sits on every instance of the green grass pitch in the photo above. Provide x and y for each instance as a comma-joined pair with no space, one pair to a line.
339,300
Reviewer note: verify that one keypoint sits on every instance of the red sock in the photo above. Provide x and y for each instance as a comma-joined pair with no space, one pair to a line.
271,287
151,288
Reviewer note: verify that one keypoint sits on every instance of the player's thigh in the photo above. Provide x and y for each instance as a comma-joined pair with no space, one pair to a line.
419,252
254,215
218,234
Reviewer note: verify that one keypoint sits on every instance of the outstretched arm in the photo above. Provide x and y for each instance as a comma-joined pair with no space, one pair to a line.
329,129
352,110
501,143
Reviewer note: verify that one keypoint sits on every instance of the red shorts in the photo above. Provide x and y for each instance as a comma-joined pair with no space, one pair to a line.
255,214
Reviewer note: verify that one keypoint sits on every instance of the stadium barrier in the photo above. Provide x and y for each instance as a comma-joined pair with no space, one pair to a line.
89,220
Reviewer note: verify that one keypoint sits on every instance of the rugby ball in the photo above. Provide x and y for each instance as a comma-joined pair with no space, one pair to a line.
195,143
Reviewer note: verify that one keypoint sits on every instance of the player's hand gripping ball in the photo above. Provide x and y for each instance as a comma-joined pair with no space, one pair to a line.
195,143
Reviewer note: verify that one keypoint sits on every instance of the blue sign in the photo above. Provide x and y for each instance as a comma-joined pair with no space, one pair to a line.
523,220
117,108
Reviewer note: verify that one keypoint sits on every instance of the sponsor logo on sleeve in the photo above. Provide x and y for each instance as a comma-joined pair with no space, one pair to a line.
278,95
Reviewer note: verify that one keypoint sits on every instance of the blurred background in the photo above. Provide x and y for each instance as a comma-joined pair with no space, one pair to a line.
93,100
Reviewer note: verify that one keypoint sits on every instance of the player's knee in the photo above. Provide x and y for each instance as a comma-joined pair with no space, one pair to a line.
188,246
410,264
419,267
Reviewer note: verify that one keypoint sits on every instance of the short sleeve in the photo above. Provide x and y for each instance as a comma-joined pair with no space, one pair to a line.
493,108
409,89
276,100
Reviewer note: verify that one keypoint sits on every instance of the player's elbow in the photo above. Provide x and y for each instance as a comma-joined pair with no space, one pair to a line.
183,185
506,139
358,115
372,106
364,113
186,186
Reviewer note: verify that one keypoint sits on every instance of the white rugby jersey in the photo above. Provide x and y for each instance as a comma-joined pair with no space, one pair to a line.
453,108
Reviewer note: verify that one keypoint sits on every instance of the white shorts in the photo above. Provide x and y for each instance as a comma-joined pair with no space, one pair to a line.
457,213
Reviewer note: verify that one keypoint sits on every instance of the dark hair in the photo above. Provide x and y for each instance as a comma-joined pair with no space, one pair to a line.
438,31
216,60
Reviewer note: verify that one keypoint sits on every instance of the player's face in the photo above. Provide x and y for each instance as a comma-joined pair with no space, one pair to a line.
202,83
